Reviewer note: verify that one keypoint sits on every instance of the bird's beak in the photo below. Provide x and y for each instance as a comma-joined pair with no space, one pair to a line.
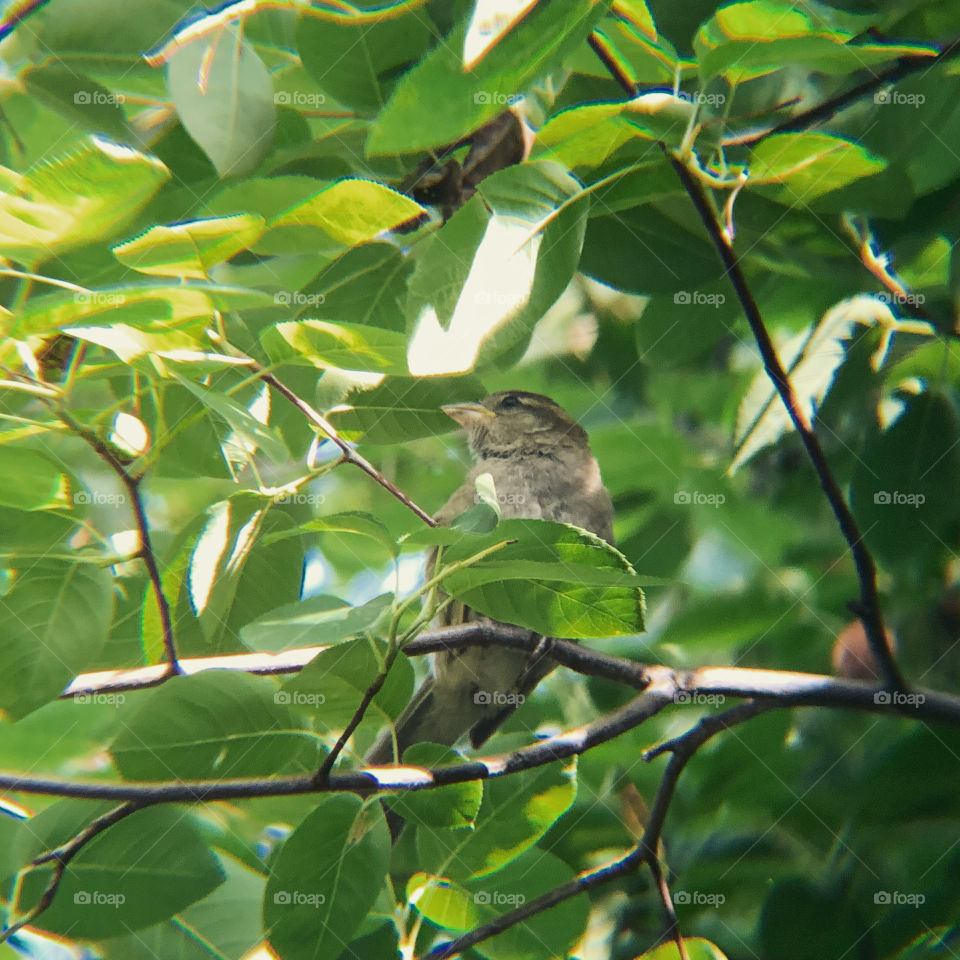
467,414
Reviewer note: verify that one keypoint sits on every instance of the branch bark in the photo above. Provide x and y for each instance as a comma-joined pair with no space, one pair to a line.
868,608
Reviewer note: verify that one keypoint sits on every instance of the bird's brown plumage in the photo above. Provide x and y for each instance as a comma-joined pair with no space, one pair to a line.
542,468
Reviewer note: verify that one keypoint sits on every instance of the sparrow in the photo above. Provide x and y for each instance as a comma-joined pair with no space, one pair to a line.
542,468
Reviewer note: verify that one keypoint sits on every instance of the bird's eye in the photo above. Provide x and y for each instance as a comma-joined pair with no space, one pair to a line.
508,403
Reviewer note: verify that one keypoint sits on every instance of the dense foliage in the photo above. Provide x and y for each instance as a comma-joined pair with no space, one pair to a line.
221,232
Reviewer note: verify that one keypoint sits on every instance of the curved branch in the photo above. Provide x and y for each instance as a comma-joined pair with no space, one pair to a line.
132,485
586,881
682,748
869,603
780,689
828,108
349,455
61,857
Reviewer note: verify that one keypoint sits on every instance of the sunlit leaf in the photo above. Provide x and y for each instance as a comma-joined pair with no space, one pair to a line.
74,199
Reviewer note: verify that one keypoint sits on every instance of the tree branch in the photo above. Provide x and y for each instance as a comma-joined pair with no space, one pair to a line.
682,748
349,455
869,603
586,881
781,689
828,108
613,68
61,857
132,486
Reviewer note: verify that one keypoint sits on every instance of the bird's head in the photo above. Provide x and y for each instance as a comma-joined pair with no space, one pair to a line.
517,423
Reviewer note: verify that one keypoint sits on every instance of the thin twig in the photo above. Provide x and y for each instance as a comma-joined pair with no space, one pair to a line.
823,111
869,603
348,454
146,553
613,68
61,857
586,881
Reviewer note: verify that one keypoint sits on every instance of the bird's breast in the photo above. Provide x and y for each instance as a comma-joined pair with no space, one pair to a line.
565,489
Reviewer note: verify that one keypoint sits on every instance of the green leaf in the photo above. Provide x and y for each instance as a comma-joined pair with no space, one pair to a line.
811,360
442,902
160,305
697,949
31,481
217,724
78,99
326,877
74,199
190,249
903,493
361,80
746,40
218,557
144,869
224,98
367,285
402,409
248,431
809,165
351,211
349,521
584,136
552,933
650,249
454,806
346,346
226,921
335,680
716,624
53,623
443,260
315,620
457,907
677,330
516,811
524,259
547,580
439,101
